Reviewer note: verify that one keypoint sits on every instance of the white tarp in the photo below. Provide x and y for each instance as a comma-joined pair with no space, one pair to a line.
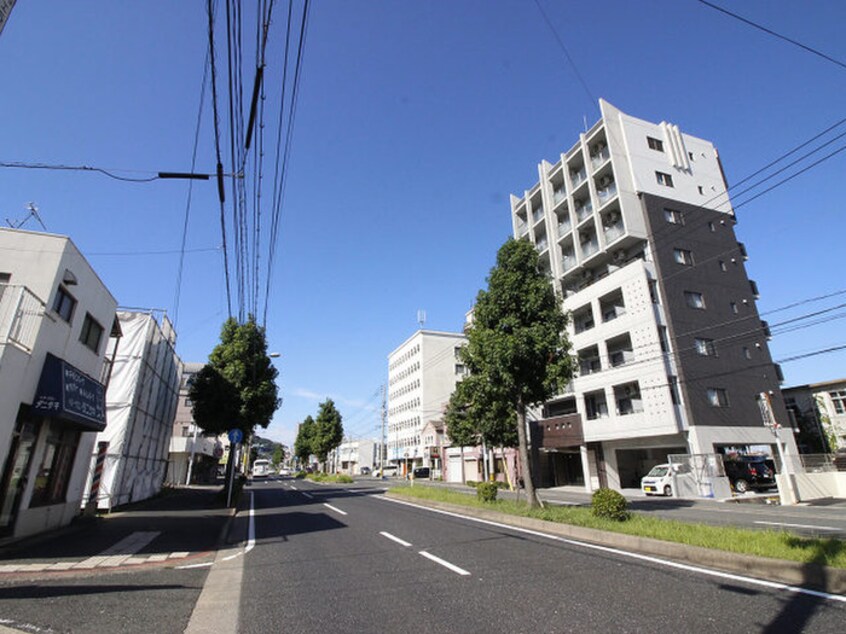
141,404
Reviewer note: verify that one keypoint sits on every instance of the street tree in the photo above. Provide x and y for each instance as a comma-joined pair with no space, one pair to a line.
517,341
304,441
278,456
329,431
237,387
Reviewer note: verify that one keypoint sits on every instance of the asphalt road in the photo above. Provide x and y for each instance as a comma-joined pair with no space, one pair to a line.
328,559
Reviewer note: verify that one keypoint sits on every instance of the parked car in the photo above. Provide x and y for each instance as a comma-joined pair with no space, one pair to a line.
750,472
364,471
659,481
285,471
421,473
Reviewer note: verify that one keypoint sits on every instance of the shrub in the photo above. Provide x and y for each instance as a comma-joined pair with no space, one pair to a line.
610,505
344,479
471,483
486,491
300,475
501,485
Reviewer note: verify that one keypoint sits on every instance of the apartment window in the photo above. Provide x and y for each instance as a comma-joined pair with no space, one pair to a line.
5,278
734,307
673,217
91,333
460,369
189,402
838,399
655,144
683,256
717,397
64,304
723,266
664,179
674,390
653,292
694,300
701,191
690,156
705,347
712,227
51,480
663,340
747,353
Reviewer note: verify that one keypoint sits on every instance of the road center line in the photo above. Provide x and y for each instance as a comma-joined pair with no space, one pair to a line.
308,495
337,510
394,538
445,564
293,488
662,562
821,528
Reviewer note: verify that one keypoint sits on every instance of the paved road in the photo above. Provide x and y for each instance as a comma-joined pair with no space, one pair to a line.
328,559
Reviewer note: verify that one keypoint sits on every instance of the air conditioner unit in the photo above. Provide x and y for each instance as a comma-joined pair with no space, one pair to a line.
629,391
587,274
619,255
613,217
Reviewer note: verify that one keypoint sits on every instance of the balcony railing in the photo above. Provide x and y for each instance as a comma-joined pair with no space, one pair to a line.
21,312
589,366
613,232
600,157
558,195
522,228
578,177
564,228
606,193
589,248
620,357
537,214
542,244
584,210
568,261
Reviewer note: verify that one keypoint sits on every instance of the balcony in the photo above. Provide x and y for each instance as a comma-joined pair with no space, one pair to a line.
577,177
522,228
613,232
537,214
568,261
620,357
589,247
21,312
583,210
542,244
557,431
589,366
564,227
606,193
558,194
599,157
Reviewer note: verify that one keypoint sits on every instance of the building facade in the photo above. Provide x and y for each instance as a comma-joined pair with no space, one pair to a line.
819,410
131,453
422,373
56,316
636,231
194,455
351,455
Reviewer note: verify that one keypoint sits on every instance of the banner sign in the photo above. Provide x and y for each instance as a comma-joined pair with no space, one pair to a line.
67,393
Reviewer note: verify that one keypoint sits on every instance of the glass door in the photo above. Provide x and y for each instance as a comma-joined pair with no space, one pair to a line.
15,474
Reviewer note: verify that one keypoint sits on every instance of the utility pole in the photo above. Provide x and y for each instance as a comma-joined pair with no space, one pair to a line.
383,448
768,417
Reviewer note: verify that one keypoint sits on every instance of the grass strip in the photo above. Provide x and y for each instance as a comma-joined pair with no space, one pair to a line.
759,543
326,477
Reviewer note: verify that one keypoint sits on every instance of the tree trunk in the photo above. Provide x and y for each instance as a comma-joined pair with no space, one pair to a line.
531,496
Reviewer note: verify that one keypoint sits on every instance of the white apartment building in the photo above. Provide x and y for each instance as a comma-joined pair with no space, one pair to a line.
422,373
820,411
56,316
636,232
351,455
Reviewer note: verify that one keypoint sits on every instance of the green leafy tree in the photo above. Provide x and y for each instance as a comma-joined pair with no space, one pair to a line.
237,387
329,430
304,442
278,456
517,341
476,413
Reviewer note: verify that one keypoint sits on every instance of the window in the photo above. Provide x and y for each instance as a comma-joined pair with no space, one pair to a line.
701,191
712,227
690,156
653,292
838,399
4,279
747,353
51,480
655,144
664,179
673,217
717,397
674,390
64,304
91,333
683,256
460,369
694,300
723,266
188,402
705,347
734,307
663,340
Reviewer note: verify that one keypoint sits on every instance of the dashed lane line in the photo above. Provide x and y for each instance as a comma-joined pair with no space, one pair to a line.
399,541
444,563
334,508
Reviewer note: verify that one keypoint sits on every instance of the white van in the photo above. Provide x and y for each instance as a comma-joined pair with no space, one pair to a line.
388,470
261,468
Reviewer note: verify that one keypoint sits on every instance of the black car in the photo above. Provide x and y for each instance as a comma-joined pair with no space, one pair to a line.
750,472
420,473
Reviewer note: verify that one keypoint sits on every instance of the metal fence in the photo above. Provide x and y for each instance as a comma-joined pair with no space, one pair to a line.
21,312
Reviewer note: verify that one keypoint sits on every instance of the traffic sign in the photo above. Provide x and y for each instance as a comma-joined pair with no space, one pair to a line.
235,436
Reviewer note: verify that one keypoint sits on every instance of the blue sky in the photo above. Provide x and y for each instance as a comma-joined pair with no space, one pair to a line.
415,122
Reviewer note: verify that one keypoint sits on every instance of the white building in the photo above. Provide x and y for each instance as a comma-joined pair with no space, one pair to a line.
55,319
132,451
189,445
352,455
819,410
422,373
635,229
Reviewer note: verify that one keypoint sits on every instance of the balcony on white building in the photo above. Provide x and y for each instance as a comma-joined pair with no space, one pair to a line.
21,313
584,208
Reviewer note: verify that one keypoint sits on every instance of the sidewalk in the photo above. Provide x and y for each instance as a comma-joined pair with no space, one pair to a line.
176,527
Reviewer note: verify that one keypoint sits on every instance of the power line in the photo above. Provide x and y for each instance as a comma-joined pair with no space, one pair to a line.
78,168
773,33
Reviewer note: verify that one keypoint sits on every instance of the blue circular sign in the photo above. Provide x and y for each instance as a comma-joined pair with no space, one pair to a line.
235,436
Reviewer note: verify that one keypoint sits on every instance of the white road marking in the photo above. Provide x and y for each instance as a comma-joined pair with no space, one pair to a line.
337,510
396,539
229,557
208,564
662,562
293,488
445,564
822,528
251,540
308,495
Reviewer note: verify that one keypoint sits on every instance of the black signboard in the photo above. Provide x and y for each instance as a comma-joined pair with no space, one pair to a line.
67,393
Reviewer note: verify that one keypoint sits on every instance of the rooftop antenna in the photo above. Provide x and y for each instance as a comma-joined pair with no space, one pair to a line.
421,318
33,213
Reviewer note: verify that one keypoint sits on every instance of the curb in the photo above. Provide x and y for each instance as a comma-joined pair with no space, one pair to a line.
806,575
